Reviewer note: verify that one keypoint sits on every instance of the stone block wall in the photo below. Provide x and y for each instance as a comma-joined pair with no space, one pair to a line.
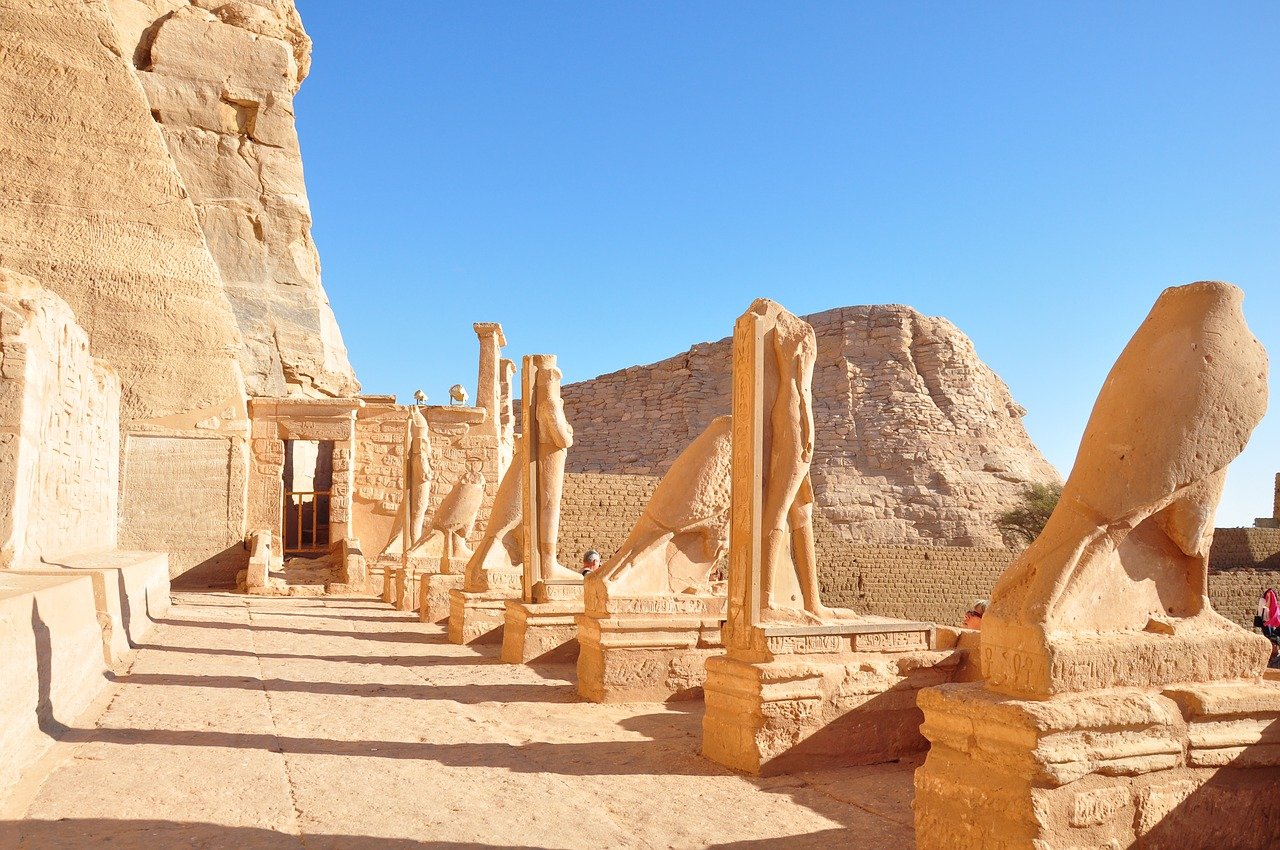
461,438
1242,563
598,511
59,430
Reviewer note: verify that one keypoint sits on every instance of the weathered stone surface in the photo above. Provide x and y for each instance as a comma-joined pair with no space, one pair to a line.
59,430
220,79
920,441
93,207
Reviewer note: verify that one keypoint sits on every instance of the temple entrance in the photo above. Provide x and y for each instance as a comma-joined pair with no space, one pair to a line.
308,482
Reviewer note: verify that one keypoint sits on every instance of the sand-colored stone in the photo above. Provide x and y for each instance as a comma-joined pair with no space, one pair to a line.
540,624
1119,709
303,710
799,684
652,614
220,80
919,442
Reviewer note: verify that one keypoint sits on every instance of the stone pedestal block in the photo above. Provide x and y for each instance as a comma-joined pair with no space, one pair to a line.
540,631
648,649
434,592
814,697
408,580
1189,766
477,617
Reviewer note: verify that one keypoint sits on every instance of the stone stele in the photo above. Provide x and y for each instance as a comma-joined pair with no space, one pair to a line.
653,616
1119,708
800,685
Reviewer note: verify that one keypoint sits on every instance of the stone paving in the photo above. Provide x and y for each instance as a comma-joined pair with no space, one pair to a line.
341,723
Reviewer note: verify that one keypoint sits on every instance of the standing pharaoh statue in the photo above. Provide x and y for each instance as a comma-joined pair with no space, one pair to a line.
787,517
420,472
554,436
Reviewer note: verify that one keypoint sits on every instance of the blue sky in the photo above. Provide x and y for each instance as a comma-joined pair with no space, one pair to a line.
617,181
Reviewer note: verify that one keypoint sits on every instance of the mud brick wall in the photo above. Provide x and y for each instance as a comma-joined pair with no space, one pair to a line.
59,430
1242,563
932,583
598,511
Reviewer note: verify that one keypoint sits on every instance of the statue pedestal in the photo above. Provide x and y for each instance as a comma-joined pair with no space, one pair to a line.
648,649
546,630
812,697
478,616
434,592
1186,766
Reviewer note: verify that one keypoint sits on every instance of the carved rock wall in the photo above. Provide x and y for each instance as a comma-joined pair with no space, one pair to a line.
918,441
59,430
220,79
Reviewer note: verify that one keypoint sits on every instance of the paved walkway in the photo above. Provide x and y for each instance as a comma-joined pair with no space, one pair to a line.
253,723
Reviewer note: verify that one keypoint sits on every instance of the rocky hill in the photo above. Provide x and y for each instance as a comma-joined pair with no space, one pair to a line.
918,440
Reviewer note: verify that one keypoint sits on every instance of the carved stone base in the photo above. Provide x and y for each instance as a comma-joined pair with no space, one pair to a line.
434,596
1192,766
649,649
408,581
827,696
477,617
540,631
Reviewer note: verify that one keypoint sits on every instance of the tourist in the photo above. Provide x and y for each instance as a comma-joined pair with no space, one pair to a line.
1268,616
590,562
973,617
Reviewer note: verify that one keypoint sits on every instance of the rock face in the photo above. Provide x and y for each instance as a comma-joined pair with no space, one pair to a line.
93,207
220,79
917,440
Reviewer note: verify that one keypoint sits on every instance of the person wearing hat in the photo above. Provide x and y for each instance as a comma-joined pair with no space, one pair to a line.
590,562
973,617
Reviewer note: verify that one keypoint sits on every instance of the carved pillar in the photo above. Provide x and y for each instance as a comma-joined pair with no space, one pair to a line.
488,392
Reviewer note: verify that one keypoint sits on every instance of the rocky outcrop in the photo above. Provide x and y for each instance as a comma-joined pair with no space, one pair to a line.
92,206
220,79
918,441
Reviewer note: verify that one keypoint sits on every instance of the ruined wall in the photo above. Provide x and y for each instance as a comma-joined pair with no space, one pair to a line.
220,79
59,430
918,441
1242,563
461,437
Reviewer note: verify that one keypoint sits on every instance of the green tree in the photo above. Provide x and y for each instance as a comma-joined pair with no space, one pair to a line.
1023,524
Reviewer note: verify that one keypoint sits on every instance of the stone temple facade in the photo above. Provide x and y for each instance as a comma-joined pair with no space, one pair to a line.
918,441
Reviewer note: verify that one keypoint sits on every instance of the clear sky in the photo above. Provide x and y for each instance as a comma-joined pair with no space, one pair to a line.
614,182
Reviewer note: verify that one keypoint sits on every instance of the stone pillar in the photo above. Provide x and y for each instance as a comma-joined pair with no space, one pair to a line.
506,417
488,385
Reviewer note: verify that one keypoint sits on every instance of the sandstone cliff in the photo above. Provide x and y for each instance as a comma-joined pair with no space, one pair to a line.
918,440
220,78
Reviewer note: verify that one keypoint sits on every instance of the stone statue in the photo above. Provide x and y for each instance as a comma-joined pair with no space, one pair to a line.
454,520
786,522
1121,567
684,530
553,437
502,546
420,472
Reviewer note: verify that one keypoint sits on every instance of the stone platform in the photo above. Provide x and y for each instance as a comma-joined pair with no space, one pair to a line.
477,617
63,626
546,630
434,594
814,697
1189,766
648,649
